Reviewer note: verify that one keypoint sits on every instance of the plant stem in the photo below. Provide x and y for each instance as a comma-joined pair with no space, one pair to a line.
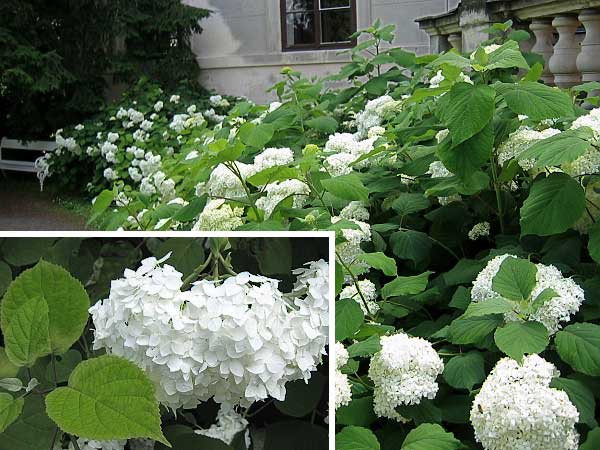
355,281
197,271
498,194
54,438
74,441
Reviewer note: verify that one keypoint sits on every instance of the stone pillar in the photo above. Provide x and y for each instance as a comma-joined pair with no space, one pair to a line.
455,40
438,43
473,25
563,63
544,44
588,61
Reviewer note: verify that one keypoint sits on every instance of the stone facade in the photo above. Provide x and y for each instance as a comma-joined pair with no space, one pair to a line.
240,50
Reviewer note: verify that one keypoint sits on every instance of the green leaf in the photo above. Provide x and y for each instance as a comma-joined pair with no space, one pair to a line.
101,204
32,430
380,261
348,318
412,245
11,384
544,296
10,408
356,438
536,100
7,368
467,110
5,277
559,149
472,330
367,347
594,242
256,135
25,251
406,285
358,413
581,396
506,56
579,346
515,279
191,441
429,436
186,253
293,435
347,187
63,366
44,311
191,211
489,306
302,398
554,204
272,174
465,371
423,412
115,397
518,338
325,124
467,157
408,203
592,441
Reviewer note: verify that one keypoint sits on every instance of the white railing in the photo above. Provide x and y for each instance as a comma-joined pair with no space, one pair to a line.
565,32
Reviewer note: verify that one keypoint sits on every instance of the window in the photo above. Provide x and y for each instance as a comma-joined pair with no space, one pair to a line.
317,24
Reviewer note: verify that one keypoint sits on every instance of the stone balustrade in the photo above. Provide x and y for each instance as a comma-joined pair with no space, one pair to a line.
566,33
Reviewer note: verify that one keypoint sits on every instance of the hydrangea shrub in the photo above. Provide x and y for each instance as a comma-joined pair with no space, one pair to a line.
463,193
139,344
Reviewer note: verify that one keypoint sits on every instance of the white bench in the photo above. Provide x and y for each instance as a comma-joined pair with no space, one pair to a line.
27,164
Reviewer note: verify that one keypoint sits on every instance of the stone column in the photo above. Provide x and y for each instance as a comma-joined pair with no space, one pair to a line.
544,44
588,61
455,40
438,43
563,63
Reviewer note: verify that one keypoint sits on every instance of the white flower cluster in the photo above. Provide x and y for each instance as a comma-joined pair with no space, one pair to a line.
374,112
519,141
181,122
404,372
219,216
517,409
345,149
481,229
90,444
369,294
229,424
218,101
439,77
278,191
237,341
553,311
342,390
591,120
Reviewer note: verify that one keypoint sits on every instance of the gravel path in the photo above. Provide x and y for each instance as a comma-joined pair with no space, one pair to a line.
24,209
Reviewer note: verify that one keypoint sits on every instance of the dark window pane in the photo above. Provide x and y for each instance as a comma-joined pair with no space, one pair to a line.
299,5
334,3
300,28
336,26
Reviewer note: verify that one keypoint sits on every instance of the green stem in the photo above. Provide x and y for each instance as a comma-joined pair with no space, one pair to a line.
197,271
74,441
498,195
355,281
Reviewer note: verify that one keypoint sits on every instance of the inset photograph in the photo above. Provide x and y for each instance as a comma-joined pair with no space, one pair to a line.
139,343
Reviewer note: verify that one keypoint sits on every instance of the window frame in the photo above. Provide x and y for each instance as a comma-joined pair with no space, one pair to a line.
317,45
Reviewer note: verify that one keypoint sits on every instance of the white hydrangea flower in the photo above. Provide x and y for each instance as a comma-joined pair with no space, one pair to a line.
229,424
278,191
237,341
349,250
441,135
369,294
519,141
481,229
223,182
112,137
341,355
552,312
219,216
211,115
342,393
339,164
517,409
90,444
586,164
375,132
591,120
375,110
355,210
158,106
174,99
218,101
436,80
79,127
404,372
272,157
110,174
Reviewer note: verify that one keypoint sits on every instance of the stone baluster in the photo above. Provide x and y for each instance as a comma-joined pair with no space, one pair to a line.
455,40
588,61
563,63
544,44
